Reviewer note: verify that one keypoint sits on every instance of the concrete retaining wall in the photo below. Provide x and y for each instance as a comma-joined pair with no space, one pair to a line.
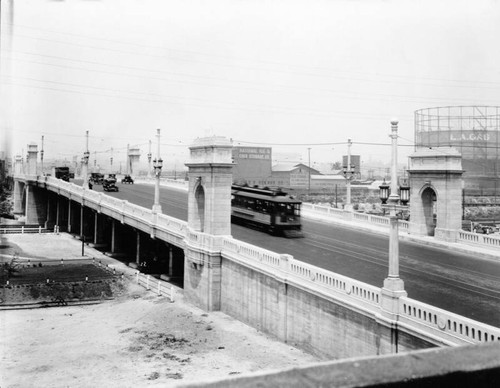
304,319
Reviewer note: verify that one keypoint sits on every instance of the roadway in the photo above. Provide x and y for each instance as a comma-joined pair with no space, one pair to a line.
461,283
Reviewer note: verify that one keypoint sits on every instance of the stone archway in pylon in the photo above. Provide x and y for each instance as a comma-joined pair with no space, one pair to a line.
199,195
429,201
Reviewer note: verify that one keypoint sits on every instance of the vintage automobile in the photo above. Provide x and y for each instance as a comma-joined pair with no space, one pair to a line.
127,179
96,178
109,184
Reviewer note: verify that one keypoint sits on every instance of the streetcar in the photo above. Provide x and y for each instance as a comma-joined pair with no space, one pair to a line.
272,210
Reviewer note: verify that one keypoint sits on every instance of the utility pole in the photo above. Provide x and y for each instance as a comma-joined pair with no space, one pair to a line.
309,156
348,174
41,157
149,160
127,160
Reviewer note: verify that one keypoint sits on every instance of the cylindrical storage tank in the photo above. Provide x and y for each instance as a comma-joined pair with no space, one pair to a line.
472,130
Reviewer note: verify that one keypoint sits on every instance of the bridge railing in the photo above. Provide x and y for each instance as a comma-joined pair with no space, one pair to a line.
444,324
123,208
183,184
482,239
304,275
172,224
334,213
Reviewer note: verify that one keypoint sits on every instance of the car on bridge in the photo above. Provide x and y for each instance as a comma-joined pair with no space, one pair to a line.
109,184
96,178
128,179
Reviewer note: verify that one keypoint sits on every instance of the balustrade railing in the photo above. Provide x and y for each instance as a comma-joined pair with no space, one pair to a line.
445,324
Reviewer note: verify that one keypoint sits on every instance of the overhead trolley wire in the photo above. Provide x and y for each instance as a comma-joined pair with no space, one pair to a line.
258,60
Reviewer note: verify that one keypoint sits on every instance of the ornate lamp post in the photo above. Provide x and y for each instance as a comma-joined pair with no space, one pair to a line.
85,163
348,172
393,285
157,164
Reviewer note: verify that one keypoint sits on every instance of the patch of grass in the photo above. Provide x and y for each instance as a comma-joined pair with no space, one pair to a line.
59,273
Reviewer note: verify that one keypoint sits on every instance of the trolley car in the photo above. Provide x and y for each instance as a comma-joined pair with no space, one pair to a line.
274,211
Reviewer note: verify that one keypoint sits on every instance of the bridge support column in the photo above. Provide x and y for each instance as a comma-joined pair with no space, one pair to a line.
82,229
209,218
58,211
51,213
36,205
18,197
138,249
113,237
70,214
170,261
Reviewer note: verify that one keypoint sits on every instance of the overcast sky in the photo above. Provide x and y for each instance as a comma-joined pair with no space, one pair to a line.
288,74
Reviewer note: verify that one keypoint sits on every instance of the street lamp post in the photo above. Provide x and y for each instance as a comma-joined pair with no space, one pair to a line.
157,164
393,287
348,172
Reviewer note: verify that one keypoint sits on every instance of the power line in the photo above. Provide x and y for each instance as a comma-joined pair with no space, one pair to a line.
355,95
258,60
207,104
328,75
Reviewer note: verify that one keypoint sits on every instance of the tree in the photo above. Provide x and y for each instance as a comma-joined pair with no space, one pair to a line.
11,267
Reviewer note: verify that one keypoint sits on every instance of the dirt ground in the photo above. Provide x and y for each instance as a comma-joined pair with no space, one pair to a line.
136,340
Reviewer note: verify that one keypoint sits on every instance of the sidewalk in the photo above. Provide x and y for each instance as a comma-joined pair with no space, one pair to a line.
476,250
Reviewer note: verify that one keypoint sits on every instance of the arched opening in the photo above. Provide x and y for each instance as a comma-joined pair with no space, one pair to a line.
429,208
199,196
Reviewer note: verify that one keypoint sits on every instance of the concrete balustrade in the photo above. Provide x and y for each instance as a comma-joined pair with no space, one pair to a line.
451,328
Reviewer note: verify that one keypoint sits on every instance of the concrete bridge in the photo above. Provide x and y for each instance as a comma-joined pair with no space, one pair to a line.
330,315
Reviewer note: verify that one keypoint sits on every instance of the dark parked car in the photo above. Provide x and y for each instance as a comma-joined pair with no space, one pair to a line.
127,179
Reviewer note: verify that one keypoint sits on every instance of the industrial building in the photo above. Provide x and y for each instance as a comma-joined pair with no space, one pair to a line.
253,166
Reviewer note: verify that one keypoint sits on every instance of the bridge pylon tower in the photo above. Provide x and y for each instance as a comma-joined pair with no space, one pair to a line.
209,218
436,193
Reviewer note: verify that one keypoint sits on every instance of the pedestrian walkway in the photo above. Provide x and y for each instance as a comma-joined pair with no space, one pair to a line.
489,253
